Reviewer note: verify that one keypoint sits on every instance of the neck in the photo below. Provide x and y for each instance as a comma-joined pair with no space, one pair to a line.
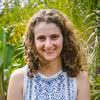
52,68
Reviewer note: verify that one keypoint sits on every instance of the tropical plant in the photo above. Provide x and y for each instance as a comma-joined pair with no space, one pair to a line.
6,51
85,14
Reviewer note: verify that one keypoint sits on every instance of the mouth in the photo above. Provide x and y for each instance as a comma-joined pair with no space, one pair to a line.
49,52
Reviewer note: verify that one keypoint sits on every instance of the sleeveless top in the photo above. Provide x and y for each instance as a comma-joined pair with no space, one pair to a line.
56,87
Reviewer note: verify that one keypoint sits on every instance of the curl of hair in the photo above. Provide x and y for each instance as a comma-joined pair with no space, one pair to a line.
70,55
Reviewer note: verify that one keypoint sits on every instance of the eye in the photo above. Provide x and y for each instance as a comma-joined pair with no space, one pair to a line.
41,38
54,36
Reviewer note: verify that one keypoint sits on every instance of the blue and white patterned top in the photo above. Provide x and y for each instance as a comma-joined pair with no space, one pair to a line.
56,87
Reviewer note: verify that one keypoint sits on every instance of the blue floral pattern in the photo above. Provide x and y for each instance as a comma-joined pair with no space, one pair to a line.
58,87
50,89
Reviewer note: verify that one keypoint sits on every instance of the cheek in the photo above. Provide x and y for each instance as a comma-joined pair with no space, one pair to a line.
60,43
38,45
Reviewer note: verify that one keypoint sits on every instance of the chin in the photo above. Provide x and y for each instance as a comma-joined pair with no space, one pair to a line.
51,58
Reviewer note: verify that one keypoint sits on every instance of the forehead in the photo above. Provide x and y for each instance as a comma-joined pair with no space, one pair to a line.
46,28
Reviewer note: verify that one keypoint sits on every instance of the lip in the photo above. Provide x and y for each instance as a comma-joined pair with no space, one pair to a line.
49,52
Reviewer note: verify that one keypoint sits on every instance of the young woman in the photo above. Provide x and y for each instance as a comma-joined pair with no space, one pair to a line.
54,66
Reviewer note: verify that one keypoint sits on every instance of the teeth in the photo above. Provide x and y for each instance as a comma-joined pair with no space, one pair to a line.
49,52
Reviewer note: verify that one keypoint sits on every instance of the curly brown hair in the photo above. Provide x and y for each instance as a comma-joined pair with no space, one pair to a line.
70,55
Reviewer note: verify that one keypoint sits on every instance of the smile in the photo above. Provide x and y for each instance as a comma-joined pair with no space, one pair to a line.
50,52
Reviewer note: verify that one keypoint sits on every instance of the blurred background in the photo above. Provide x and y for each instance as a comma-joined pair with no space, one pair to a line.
14,16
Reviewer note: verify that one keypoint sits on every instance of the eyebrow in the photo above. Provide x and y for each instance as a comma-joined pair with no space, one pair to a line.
51,35
56,35
41,36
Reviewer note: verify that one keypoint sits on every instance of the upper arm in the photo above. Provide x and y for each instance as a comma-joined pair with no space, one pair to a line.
15,90
83,86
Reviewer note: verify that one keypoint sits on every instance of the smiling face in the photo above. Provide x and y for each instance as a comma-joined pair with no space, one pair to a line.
48,40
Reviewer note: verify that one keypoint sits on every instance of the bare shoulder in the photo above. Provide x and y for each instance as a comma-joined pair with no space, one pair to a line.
18,73
83,85
15,87
17,76
82,79
83,75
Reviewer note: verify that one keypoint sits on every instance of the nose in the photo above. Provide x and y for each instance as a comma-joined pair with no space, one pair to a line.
48,43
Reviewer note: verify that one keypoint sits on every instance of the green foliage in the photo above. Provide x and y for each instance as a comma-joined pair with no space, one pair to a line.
6,51
10,58
93,23
95,92
85,14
